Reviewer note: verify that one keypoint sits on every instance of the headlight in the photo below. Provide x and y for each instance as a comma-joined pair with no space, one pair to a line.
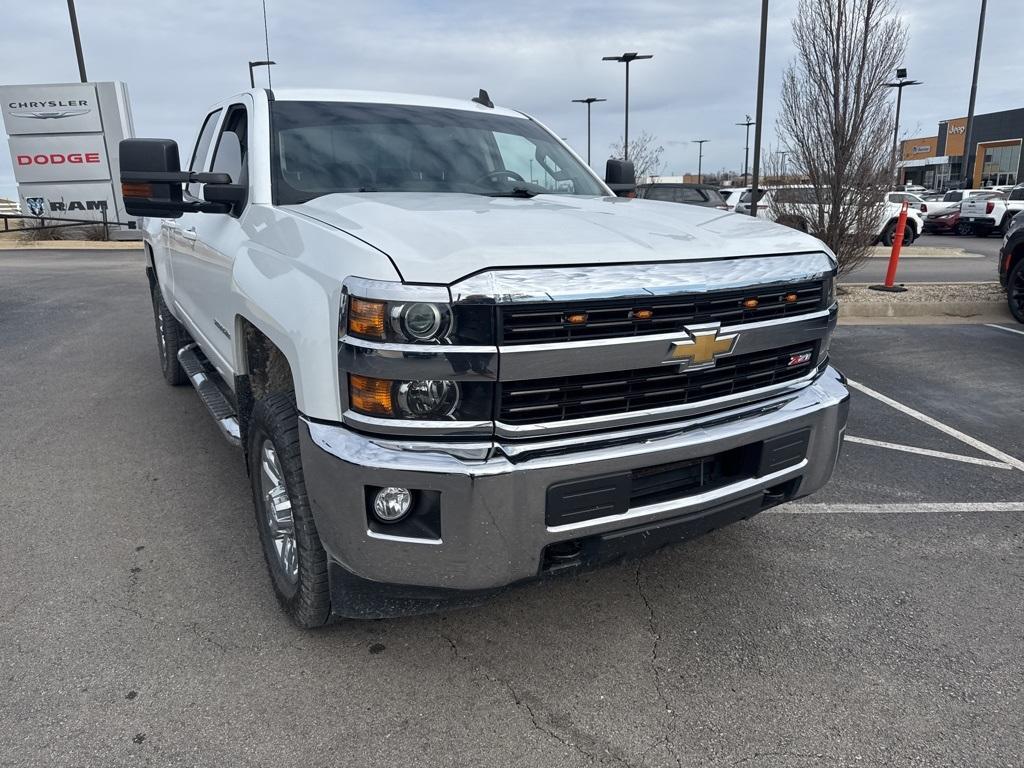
420,321
427,400
416,322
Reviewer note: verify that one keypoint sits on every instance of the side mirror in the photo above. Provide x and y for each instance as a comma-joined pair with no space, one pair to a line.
151,179
620,176
228,160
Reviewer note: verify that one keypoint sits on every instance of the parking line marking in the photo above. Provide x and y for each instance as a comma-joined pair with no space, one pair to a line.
995,453
929,452
1004,328
897,509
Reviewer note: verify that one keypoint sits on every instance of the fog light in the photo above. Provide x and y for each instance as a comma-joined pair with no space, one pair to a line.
392,504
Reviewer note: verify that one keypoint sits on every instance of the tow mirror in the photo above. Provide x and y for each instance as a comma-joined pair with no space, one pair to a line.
228,160
151,179
620,177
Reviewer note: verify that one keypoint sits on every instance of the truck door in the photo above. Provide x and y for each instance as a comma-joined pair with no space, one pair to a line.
206,275
179,234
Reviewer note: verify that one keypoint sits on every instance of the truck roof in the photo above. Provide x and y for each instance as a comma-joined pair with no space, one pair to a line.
385,97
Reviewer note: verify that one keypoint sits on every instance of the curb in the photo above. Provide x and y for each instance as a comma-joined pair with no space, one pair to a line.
71,245
942,312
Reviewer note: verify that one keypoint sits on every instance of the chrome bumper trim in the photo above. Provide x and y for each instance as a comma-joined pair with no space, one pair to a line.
493,509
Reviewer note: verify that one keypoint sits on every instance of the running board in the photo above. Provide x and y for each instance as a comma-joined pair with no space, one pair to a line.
214,400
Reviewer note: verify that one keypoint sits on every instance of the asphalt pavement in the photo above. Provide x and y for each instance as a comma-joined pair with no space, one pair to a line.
979,263
877,623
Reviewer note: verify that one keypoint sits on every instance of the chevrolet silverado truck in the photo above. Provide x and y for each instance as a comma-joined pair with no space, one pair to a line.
454,359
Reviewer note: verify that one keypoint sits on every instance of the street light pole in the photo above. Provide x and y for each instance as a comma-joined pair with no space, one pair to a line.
760,107
700,158
78,40
746,150
899,85
588,101
966,167
254,64
626,58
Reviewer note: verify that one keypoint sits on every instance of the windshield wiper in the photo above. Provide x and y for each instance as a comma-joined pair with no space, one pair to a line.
514,192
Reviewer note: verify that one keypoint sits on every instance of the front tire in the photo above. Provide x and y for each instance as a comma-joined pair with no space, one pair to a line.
170,337
964,228
1015,291
291,545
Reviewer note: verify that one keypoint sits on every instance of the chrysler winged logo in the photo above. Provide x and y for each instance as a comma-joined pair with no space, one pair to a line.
50,114
703,347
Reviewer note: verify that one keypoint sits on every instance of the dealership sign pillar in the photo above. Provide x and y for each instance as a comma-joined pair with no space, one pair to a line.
63,139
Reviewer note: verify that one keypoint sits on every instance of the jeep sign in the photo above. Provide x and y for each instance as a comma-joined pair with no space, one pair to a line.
64,141
59,158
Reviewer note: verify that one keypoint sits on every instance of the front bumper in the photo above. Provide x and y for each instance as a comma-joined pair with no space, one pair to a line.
493,530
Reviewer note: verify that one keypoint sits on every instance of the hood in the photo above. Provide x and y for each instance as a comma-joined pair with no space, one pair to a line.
440,238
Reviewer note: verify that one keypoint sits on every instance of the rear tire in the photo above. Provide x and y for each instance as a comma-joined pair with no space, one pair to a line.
170,337
889,234
291,545
963,228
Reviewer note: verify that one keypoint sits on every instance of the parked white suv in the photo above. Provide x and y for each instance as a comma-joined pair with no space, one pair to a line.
455,360
801,208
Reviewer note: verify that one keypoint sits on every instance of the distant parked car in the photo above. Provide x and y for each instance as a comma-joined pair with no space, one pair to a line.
1011,267
692,194
914,188
942,223
915,201
951,200
732,195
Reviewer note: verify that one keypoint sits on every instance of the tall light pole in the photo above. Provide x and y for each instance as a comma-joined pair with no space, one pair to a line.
759,110
588,101
966,167
626,58
78,40
746,150
254,64
899,85
700,158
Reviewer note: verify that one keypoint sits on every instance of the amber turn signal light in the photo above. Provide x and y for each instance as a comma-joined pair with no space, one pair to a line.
789,298
366,318
136,189
577,318
643,314
750,303
370,396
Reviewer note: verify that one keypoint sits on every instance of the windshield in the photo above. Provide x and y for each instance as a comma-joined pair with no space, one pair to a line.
324,147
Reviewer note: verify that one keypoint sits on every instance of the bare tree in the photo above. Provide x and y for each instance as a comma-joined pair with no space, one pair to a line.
836,122
644,152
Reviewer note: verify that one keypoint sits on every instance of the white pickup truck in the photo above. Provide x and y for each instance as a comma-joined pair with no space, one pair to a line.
455,359
993,212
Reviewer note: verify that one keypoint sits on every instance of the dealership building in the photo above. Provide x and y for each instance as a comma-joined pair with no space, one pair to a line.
936,162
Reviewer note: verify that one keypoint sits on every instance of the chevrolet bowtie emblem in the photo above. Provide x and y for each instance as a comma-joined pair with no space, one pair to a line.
702,349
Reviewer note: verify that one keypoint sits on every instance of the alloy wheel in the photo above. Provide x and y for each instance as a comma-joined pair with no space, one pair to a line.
277,512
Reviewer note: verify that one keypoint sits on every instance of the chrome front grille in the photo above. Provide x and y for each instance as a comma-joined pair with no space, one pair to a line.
574,397
545,322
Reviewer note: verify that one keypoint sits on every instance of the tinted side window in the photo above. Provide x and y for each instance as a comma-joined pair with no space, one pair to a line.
202,148
690,195
1017,194
660,193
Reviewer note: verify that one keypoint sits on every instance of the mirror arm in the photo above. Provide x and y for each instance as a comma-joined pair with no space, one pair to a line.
176,177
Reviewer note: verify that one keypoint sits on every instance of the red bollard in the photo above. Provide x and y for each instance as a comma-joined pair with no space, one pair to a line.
894,256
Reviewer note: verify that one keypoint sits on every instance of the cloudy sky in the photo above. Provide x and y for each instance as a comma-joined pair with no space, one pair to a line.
178,56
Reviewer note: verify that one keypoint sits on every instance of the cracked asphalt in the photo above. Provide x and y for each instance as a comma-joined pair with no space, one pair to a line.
138,627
